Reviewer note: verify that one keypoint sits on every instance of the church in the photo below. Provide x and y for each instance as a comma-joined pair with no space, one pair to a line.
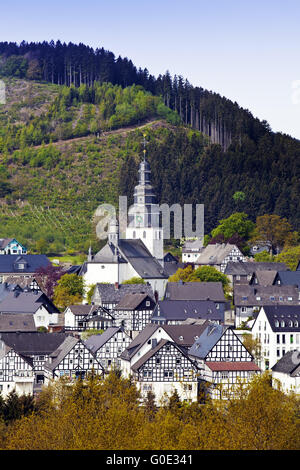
141,252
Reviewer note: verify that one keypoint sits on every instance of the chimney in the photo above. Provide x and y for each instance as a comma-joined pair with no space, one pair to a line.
116,285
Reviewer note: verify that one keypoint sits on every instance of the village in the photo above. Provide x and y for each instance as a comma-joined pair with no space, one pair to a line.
165,335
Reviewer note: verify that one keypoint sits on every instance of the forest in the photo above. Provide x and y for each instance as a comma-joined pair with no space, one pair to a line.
59,148
106,414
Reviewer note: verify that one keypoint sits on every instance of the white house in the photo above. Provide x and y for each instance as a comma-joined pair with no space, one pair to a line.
36,303
278,329
191,250
10,246
286,372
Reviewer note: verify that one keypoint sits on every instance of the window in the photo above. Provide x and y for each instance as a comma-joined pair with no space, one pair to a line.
282,324
278,339
224,375
168,373
291,339
283,339
147,303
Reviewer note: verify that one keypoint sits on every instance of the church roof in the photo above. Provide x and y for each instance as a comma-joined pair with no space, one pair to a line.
141,259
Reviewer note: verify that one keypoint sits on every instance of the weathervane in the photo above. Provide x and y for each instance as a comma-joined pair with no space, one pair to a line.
144,143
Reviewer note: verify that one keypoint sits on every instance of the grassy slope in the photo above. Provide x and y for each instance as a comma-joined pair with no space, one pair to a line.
57,205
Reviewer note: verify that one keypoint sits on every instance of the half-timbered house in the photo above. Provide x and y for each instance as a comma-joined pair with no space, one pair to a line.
108,346
72,360
36,348
109,295
218,255
134,312
222,359
16,371
164,369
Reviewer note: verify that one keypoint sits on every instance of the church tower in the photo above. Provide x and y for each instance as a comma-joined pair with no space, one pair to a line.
143,216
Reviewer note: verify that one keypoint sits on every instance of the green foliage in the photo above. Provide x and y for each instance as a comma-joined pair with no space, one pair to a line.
290,256
237,223
202,274
69,290
258,417
135,280
264,256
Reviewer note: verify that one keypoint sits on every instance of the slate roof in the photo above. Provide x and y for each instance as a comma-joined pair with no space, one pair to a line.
149,354
33,343
33,262
191,246
109,293
63,349
6,288
26,302
133,251
21,281
264,278
288,278
138,341
141,259
108,254
286,313
131,301
288,364
249,267
195,291
215,254
185,335
246,295
13,323
210,336
82,309
182,309
95,342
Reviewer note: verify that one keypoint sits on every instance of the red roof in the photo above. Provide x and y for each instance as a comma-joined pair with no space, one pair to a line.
223,365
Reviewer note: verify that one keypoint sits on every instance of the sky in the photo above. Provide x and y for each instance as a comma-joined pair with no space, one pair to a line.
245,50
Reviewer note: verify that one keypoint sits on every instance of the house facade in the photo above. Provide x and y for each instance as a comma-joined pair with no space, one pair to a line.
219,255
278,329
286,372
16,372
10,246
223,360
248,299
72,360
108,347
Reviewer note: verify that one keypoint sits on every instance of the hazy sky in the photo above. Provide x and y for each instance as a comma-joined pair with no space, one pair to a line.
246,50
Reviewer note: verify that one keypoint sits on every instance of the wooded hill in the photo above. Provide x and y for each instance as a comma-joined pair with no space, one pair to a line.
64,146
